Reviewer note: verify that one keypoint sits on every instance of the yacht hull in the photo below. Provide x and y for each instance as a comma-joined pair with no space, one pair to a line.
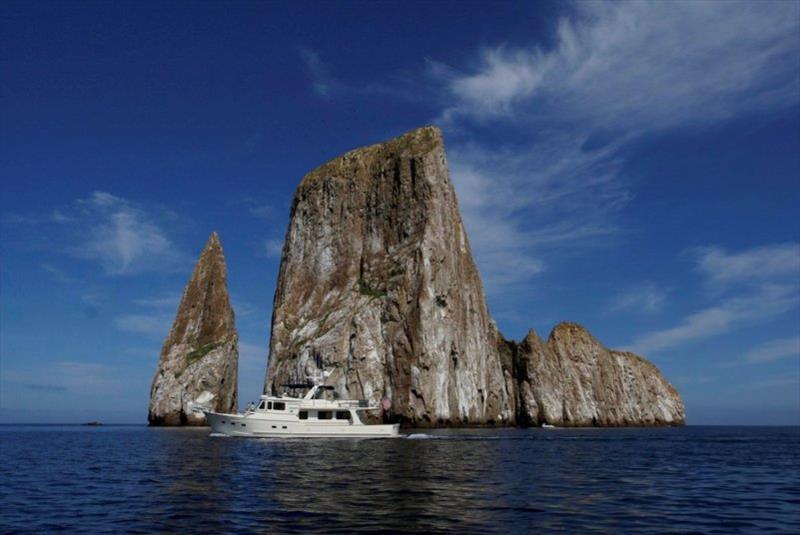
251,425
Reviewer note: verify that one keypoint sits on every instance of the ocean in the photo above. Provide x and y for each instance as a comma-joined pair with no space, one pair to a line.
138,479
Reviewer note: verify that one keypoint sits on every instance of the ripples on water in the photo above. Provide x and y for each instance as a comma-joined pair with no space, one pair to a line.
606,480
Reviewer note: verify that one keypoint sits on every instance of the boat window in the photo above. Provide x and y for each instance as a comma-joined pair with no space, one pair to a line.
261,405
324,415
269,405
303,415
279,406
342,415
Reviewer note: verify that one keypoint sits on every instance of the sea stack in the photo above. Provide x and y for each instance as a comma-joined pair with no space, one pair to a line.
377,283
200,357
573,380
377,279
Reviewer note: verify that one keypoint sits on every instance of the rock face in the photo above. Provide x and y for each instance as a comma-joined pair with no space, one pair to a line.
377,280
200,357
377,277
572,380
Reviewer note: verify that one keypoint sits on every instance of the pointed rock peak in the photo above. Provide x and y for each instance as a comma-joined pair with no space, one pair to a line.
199,358
213,245
532,337
568,330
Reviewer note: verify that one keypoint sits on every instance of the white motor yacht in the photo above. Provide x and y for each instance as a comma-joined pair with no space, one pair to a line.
309,416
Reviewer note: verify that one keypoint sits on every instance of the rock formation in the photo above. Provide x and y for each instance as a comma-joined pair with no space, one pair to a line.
200,357
572,380
377,280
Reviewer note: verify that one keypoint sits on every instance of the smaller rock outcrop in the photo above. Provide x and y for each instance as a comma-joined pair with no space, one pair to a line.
573,380
200,357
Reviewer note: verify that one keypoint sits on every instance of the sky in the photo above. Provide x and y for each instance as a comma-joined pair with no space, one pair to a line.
631,166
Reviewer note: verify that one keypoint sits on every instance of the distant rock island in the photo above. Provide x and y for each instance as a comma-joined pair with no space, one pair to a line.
200,357
377,279
377,283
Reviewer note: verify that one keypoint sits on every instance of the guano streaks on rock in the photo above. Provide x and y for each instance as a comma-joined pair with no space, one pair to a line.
377,278
200,357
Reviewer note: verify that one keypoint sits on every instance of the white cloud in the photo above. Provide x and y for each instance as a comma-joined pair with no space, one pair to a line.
262,211
164,301
259,209
768,301
60,217
155,325
124,237
519,206
76,375
759,263
60,376
616,71
633,65
58,274
317,71
243,309
274,247
646,298
774,350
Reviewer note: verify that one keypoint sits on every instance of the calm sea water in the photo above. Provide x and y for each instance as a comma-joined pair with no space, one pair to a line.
137,479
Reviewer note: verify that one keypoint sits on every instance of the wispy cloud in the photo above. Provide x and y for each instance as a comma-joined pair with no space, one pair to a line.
58,274
162,301
645,298
321,80
675,63
66,375
259,208
752,265
769,293
273,247
519,206
123,236
774,350
678,64
155,325
775,382
767,302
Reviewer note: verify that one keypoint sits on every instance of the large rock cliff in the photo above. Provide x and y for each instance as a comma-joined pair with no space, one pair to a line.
200,357
377,280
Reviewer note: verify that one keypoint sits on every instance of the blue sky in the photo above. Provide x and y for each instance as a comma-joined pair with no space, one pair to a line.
629,166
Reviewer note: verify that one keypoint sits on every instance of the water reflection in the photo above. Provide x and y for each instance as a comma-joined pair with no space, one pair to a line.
173,480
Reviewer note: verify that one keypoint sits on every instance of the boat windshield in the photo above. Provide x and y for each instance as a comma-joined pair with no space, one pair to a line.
320,393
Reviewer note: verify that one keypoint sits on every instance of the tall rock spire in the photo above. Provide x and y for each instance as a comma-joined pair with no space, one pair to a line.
200,357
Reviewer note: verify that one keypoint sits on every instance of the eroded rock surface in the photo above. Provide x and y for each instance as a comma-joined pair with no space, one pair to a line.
200,357
573,380
377,279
